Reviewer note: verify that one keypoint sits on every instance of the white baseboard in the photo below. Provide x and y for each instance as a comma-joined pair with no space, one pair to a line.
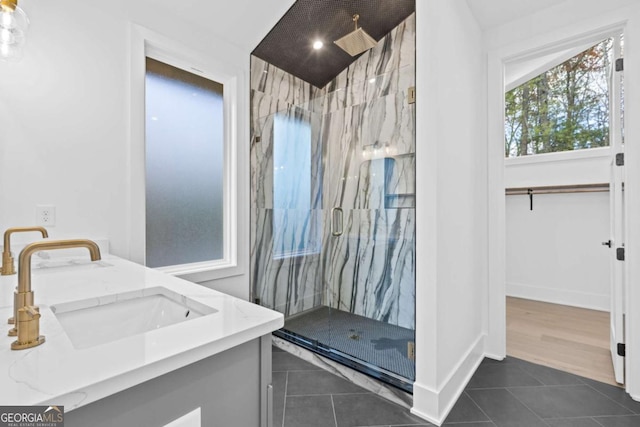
435,405
559,296
494,356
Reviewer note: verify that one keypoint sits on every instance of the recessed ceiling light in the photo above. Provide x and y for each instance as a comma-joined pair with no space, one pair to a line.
317,44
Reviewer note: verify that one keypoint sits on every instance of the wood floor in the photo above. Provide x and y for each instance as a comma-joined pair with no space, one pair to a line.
571,339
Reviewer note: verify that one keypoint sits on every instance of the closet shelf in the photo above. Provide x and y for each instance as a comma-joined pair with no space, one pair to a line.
558,189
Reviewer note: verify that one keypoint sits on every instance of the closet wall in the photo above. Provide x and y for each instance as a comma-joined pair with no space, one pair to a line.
554,251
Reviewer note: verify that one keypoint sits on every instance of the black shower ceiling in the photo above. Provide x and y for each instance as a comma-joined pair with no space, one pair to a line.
289,45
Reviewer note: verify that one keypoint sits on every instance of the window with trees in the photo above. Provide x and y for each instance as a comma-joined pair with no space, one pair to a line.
564,108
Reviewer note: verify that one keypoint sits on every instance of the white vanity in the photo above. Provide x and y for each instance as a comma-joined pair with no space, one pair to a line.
130,346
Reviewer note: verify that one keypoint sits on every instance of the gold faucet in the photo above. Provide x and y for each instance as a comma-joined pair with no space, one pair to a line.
8,267
27,315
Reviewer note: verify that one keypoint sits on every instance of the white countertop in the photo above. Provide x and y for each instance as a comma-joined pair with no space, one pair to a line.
56,373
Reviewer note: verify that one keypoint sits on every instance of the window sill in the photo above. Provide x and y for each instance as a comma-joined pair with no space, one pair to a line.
558,157
204,271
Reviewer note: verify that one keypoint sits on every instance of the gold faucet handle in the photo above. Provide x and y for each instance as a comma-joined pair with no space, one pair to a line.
19,300
31,311
8,266
28,324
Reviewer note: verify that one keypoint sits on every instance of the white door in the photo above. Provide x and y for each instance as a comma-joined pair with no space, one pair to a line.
616,198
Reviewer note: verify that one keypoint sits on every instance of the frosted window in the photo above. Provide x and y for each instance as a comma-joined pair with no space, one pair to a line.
184,167
296,228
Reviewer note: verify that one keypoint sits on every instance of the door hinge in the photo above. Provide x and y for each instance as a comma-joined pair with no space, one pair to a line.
620,64
411,95
619,159
622,350
620,254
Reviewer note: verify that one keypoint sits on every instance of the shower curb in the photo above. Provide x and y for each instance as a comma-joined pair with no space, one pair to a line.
379,388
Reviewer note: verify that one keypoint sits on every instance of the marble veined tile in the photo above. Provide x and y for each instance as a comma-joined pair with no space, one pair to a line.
356,137
370,268
286,260
360,157
394,51
267,78
367,90
261,158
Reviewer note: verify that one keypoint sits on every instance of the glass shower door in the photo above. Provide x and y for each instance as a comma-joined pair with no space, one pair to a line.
333,237
370,263
288,236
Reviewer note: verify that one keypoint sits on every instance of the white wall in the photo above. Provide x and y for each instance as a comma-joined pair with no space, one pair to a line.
64,109
567,168
554,22
554,252
451,204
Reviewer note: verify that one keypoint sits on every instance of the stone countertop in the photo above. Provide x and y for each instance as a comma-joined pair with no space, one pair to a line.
56,373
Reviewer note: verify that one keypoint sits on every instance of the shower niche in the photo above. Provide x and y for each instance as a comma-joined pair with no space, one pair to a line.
333,206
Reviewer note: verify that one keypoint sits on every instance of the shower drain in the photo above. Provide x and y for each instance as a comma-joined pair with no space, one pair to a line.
354,335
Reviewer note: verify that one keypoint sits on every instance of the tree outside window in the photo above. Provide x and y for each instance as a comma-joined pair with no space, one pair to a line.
565,108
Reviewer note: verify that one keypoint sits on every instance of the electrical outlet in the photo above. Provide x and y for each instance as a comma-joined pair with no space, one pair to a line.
46,215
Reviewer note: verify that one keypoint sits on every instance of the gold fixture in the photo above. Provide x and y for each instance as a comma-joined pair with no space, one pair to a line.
9,5
357,41
411,95
27,327
13,30
8,267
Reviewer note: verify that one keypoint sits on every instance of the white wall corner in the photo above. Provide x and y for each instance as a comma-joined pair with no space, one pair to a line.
435,405
496,208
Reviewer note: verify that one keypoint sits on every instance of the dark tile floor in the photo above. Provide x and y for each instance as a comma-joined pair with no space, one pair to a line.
512,393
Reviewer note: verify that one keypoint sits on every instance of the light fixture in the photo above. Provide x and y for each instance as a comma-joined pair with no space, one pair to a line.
13,30
318,44
357,41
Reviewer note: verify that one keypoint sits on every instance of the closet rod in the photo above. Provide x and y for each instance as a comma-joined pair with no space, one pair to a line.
558,189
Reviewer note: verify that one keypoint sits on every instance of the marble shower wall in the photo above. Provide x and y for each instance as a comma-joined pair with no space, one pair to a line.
286,239
368,137
363,161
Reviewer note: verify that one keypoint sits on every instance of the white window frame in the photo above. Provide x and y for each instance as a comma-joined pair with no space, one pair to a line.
146,43
575,47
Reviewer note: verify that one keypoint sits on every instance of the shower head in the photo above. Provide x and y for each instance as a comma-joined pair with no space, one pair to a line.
356,41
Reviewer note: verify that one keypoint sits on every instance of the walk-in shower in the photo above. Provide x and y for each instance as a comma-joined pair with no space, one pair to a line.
333,203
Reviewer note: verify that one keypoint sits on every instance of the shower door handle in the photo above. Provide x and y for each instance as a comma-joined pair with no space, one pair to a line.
337,218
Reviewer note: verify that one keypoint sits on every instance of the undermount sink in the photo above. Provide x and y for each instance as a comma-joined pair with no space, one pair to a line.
96,321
